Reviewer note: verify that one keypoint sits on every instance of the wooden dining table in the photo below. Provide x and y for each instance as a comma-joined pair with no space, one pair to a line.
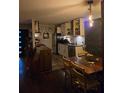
89,67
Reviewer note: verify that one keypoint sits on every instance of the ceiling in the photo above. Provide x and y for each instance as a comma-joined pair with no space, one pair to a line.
55,11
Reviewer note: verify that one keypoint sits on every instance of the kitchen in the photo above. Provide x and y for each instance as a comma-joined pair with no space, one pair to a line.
59,32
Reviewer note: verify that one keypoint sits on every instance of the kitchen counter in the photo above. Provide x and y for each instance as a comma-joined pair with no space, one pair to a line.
75,45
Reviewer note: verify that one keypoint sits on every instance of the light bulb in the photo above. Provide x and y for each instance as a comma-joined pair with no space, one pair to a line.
91,20
90,17
91,23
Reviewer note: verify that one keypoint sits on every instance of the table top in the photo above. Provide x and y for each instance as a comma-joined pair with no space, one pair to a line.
88,66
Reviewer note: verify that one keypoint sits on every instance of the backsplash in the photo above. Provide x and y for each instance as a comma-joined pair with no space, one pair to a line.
78,40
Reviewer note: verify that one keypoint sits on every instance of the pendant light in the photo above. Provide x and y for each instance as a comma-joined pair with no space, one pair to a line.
90,2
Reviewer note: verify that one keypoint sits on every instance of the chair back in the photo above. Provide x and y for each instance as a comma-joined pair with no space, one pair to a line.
77,74
66,63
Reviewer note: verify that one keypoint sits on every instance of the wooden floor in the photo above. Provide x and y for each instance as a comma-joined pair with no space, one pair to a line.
48,83
57,62
52,82
45,83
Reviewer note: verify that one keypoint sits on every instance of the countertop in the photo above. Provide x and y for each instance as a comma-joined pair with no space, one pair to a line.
75,45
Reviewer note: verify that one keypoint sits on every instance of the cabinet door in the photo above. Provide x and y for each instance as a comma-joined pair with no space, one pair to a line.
66,50
59,48
71,51
76,26
68,28
63,29
82,31
62,49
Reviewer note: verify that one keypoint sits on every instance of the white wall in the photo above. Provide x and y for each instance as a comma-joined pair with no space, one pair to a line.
49,29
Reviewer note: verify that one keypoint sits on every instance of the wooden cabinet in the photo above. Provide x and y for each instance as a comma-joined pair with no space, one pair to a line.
78,27
42,61
63,49
45,60
63,32
74,27
68,28
71,51
82,30
60,49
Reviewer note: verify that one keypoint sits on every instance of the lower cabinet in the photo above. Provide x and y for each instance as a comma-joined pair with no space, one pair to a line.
66,50
63,49
70,50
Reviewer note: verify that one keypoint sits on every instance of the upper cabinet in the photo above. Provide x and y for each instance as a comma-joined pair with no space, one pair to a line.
82,30
78,27
68,28
74,27
63,32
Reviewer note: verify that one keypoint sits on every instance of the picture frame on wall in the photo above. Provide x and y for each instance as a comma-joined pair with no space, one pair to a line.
45,35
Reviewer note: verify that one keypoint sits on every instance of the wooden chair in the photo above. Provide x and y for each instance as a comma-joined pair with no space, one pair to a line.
79,80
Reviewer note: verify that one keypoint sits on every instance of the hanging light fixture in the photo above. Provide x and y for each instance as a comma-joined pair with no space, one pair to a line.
90,2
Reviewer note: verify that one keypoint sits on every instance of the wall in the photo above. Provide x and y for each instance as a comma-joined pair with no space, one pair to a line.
25,26
42,28
93,37
49,29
